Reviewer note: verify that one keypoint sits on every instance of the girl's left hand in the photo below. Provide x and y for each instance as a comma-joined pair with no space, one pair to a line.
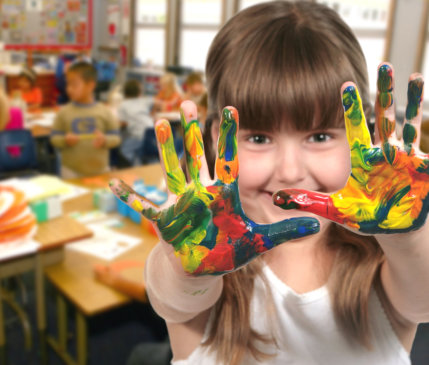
387,191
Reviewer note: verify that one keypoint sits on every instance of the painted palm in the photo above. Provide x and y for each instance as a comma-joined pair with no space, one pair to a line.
205,224
387,191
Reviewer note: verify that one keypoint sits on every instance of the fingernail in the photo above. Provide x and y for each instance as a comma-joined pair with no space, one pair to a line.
385,78
349,97
284,201
163,131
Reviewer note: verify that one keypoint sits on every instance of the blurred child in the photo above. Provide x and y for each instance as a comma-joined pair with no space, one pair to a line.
28,91
195,88
10,117
83,129
169,97
134,116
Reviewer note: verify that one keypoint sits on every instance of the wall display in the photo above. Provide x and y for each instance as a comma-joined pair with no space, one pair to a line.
46,24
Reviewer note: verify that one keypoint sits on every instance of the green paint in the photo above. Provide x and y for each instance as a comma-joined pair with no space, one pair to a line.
352,106
415,90
409,134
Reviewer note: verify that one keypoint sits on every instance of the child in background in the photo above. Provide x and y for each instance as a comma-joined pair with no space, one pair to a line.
169,96
10,117
195,88
134,114
84,130
28,91
352,293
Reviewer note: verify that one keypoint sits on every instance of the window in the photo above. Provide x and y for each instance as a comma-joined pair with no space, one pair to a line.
201,20
247,3
150,32
369,20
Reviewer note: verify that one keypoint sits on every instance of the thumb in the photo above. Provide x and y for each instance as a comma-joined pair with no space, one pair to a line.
308,201
134,200
288,229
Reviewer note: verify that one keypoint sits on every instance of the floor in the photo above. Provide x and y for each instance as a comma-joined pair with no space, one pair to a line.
113,335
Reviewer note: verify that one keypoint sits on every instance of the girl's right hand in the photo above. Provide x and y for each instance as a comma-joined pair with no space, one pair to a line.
203,223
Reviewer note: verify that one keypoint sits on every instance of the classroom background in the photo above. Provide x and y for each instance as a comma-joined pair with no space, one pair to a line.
63,270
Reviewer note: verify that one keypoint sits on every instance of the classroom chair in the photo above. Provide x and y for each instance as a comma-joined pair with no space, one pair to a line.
17,153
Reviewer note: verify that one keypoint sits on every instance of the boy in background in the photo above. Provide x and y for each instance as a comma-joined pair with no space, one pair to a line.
83,129
135,117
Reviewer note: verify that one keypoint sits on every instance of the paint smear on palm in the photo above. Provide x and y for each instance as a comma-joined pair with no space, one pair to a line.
227,162
176,180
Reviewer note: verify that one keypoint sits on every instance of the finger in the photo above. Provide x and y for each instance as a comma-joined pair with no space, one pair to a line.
134,200
413,114
385,111
289,229
357,130
307,201
227,158
174,175
194,146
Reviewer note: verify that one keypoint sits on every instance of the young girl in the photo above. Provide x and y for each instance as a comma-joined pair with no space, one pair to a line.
169,97
351,293
28,90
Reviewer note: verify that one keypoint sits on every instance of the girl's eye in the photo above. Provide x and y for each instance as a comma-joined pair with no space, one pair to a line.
320,137
259,139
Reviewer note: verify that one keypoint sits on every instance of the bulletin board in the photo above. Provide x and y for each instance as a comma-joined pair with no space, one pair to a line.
46,24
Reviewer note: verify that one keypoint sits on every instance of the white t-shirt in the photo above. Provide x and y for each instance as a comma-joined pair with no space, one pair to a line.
136,112
307,333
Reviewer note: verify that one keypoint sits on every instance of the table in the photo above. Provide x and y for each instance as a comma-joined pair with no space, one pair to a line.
74,279
52,236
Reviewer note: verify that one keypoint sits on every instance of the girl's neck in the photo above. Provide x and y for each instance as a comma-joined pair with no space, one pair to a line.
304,265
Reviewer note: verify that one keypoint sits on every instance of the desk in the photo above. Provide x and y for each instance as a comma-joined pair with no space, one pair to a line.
49,252
40,124
74,278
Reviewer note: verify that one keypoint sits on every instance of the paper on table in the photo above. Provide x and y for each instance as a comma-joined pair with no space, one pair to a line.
106,243
44,186
44,119
16,249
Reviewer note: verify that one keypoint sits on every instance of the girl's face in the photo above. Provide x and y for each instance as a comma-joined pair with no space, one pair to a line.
24,83
316,160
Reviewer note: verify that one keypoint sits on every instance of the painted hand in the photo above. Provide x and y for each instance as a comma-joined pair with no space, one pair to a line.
387,191
204,224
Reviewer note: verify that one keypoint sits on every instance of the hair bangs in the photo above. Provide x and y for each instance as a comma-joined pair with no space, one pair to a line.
297,84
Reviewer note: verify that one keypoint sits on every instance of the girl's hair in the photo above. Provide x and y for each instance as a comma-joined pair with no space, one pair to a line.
29,74
4,110
284,62
170,80
132,89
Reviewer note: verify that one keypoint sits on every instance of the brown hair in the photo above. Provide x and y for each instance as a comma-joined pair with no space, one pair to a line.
285,62
29,74
193,78
86,71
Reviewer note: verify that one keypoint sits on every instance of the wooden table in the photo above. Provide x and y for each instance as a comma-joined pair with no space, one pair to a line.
52,236
74,278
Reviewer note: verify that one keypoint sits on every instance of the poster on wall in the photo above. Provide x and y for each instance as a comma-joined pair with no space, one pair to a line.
46,24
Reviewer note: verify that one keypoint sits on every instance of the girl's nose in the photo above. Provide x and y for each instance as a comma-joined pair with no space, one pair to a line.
291,164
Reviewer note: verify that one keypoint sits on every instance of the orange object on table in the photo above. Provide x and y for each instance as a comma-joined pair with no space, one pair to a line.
16,219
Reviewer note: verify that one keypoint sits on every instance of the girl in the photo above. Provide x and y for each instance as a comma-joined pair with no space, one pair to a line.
349,294
169,97
28,90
